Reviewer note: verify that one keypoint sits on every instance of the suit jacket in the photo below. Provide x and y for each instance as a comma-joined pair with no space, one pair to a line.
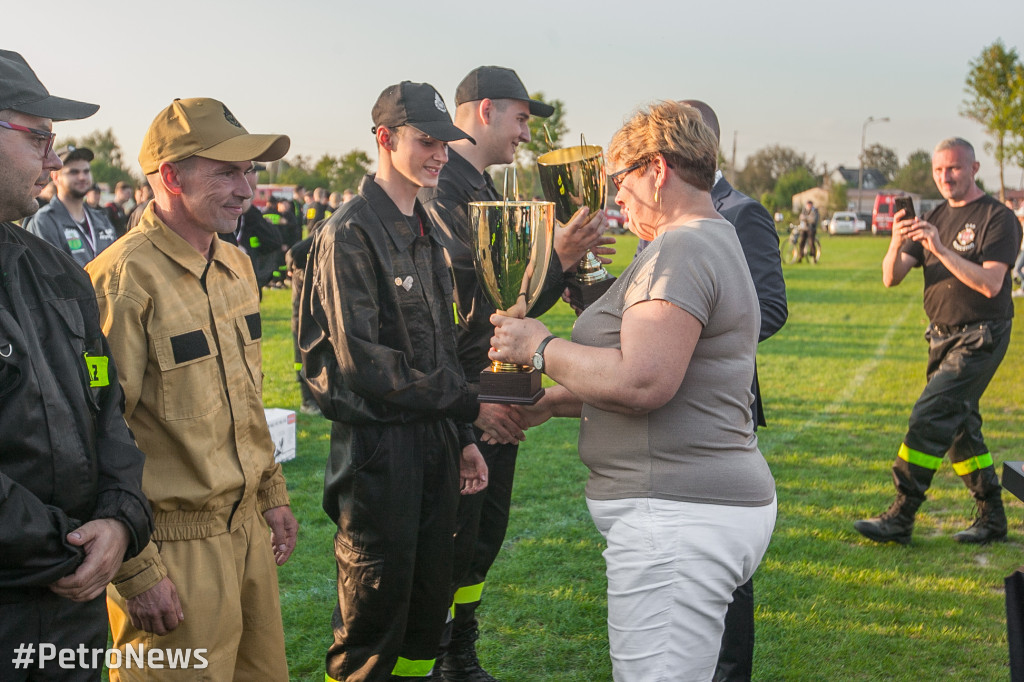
760,242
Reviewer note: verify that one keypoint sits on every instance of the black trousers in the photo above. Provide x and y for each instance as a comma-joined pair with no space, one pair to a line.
481,526
62,623
961,363
393,492
736,657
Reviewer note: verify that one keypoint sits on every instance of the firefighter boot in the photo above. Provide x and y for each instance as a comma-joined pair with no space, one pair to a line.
893,525
990,522
897,523
460,663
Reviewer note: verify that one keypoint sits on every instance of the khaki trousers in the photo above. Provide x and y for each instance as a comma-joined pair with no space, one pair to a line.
227,585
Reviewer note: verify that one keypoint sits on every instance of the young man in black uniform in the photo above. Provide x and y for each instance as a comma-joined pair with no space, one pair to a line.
493,106
378,344
71,502
966,246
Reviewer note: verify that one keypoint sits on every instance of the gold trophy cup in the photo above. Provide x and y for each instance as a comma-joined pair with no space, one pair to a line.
573,177
513,250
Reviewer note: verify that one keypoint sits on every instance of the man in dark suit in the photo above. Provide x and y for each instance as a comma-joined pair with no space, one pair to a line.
760,242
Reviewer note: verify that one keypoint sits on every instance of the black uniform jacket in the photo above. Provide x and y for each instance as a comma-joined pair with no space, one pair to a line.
259,240
448,206
66,454
376,326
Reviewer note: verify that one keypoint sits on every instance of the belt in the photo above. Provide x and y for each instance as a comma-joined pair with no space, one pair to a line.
950,329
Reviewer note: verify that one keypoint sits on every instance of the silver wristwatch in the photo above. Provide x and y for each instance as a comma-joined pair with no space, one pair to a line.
538,355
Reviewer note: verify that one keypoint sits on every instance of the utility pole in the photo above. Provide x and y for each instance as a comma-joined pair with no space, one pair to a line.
863,136
732,164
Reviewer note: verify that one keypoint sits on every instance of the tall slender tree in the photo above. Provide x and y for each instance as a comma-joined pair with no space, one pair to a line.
991,81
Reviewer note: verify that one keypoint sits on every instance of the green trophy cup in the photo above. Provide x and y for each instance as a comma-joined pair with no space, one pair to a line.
513,243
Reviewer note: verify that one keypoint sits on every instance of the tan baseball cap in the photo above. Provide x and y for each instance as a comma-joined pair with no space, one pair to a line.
204,127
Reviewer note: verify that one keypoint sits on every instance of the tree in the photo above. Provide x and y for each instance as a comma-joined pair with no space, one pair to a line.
992,88
108,165
1016,152
300,171
539,141
334,174
765,166
837,199
916,176
793,182
349,170
883,159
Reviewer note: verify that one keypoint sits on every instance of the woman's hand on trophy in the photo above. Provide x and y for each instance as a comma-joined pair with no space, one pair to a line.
500,424
579,235
515,339
472,470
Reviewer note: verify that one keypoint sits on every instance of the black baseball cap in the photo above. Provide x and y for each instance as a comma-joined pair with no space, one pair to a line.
418,105
497,82
21,90
73,153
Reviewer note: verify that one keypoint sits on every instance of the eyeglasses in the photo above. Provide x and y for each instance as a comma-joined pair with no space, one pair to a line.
618,176
40,135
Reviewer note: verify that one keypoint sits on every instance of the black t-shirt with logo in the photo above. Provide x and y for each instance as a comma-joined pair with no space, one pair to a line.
983,230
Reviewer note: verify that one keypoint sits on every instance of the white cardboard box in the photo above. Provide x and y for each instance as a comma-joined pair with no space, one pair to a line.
282,430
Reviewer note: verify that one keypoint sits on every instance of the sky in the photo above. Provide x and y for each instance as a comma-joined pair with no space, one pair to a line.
796,73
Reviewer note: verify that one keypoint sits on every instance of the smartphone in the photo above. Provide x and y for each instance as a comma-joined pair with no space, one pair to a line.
905,203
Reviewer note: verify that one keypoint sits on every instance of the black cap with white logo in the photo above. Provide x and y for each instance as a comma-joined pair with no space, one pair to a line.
418,105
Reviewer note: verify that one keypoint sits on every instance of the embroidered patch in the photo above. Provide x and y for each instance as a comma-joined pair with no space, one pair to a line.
964,241
230,118
255,324
189,346
439,103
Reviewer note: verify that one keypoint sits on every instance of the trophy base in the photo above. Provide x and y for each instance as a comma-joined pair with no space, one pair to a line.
516,388
582,294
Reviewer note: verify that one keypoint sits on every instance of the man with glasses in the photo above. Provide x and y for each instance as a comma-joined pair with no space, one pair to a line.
182,311
493,106
68,222
71,504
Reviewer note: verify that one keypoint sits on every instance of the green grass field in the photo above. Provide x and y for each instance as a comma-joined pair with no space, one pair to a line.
838,383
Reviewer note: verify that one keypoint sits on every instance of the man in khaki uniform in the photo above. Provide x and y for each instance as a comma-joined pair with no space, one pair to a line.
181,308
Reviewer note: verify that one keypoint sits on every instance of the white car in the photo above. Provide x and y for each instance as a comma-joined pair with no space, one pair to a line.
845,222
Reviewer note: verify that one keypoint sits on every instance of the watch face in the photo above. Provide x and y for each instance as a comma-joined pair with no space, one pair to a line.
538,362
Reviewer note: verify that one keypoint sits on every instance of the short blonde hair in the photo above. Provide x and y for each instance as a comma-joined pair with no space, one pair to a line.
677,132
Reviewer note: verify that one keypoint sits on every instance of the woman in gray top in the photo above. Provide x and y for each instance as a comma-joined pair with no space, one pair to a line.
659,370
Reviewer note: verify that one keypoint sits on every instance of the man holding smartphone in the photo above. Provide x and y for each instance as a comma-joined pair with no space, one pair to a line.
966,247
